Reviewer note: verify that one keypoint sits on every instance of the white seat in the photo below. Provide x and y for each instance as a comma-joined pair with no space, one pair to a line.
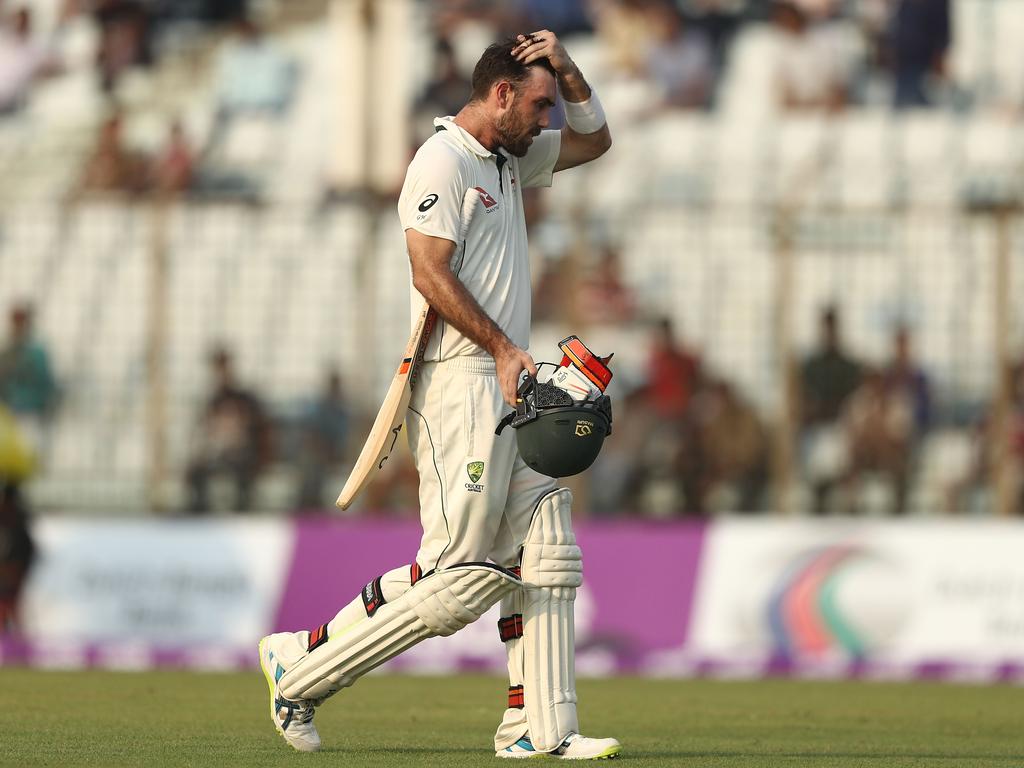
992,144
928,157
739,166
865,159
798,158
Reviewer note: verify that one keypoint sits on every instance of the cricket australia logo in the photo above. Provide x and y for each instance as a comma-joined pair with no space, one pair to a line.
584,428
475,470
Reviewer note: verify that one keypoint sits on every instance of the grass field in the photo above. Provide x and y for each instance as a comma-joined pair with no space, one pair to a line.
161,719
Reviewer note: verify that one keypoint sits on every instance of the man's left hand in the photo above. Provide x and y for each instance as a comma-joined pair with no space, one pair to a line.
543,45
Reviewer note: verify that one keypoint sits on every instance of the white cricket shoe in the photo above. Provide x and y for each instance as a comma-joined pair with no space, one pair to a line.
575,747
292,719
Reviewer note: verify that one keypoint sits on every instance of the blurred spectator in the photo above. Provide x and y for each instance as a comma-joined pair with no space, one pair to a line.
254,84
554,283
17,549
673,373
27,384
827,378
23,60
113,167
603,296
732,445
174,166
871,18
879,425
252,73
124,38
550,252
669,472
445,94
993,444
809,71
680,60
718,20
919,37
908,380
396,487
253,76
973,474
612,482
624,32
817,9
563,17
468,23
323,434
224,10
907,383
666,480
1016,439
232,439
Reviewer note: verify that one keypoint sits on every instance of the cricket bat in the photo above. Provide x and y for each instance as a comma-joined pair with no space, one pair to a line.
391,416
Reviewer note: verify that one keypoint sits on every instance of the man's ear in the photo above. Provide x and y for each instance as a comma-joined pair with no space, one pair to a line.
504,93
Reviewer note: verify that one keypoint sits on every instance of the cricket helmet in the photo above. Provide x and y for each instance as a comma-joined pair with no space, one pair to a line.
560,435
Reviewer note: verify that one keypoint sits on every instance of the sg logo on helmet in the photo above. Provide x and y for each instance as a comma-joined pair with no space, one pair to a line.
584,428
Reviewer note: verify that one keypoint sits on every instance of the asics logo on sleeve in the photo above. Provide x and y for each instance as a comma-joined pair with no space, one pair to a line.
427,203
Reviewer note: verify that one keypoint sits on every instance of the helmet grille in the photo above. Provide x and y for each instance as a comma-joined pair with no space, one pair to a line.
549,396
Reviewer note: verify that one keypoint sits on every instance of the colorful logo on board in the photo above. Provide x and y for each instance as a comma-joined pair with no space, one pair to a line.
826,602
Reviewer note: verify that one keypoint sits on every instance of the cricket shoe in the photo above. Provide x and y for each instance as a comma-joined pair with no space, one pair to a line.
575,747
292,719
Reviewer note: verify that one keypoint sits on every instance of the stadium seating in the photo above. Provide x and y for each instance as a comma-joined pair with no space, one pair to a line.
294,287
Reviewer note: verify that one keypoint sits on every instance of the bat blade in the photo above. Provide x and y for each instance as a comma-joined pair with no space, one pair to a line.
387,426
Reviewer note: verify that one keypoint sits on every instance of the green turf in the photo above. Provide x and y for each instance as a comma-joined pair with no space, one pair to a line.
183,719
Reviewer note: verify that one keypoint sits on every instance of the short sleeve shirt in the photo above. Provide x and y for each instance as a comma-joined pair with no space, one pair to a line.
491,260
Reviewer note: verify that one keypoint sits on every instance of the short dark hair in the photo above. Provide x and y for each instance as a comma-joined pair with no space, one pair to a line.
497,63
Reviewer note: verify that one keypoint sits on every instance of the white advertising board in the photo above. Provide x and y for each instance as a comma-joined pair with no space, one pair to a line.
157,583
906,592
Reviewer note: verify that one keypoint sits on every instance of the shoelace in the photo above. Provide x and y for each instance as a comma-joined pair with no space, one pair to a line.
561,748
295,712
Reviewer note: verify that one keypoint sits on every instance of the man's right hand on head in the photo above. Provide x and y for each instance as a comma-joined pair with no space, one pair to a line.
510,361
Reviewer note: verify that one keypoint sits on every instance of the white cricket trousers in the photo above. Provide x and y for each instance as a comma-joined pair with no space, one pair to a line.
477,495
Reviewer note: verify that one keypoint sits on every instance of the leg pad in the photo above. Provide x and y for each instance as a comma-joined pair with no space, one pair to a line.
439,604
552,569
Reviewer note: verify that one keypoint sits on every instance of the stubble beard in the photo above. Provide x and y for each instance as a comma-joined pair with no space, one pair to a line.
514,134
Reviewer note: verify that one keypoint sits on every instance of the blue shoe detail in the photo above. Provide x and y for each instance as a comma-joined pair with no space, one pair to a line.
289,708
522,748
278,669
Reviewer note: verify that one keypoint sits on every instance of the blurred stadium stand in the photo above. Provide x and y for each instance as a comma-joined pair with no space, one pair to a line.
739,223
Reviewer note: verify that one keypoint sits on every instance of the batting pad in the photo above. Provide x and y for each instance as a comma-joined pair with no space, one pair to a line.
552,568
439,604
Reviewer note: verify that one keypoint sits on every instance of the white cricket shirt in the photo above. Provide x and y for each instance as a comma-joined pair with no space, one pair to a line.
495,267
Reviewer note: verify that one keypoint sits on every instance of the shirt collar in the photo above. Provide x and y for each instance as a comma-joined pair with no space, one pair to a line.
448,124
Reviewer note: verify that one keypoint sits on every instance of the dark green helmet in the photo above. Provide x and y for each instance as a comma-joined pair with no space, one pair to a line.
558,436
